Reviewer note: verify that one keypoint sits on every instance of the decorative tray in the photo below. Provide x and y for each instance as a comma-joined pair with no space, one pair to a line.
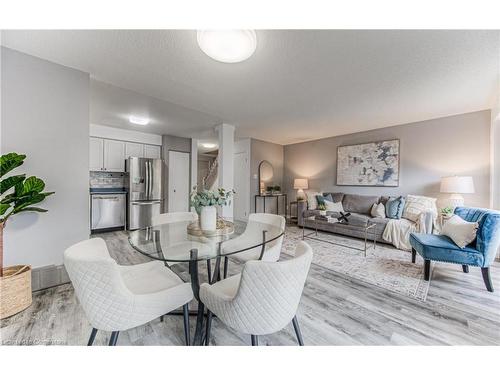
224,228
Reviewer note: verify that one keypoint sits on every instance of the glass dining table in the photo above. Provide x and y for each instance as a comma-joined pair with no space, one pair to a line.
173,243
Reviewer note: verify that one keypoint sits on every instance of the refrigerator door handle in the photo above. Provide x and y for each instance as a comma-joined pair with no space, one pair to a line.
150,178
147,180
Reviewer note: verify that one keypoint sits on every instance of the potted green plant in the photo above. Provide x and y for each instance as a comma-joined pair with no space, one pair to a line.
205,203
276,189
322,209
447,212
18,194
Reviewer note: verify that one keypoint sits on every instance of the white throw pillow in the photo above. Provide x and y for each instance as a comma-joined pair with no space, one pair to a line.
312,202
378,210
460,231
416,204
334,206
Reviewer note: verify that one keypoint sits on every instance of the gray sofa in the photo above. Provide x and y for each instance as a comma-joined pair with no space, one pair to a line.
359,206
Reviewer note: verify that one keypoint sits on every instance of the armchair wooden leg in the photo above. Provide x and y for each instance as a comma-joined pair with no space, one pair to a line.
487,278
255,340
297,331
413,255
92,337
427,269
114,338
465,268
185,313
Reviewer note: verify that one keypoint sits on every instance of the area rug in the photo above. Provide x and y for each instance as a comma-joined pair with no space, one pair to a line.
385,267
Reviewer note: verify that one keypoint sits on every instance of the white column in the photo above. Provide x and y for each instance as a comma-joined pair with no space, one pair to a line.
226,162
194,166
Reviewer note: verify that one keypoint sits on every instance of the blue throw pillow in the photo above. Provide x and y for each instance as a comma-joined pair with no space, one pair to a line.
394,207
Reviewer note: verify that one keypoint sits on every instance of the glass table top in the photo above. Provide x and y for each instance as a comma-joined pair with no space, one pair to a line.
172,242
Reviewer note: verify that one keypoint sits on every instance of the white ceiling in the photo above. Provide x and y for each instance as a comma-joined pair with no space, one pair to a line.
299,84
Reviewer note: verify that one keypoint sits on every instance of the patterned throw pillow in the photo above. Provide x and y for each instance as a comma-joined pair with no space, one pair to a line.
394,207
378,210
334,207
312,202
320,199
416,204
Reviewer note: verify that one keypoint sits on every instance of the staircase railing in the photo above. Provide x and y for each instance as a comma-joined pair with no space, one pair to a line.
209,179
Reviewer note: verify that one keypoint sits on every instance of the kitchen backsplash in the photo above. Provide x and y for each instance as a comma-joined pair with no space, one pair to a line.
107,179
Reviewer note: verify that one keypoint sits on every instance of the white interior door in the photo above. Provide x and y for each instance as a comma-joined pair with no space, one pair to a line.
241,199
178,181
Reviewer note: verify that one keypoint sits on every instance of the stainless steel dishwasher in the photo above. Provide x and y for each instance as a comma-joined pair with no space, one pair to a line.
108,211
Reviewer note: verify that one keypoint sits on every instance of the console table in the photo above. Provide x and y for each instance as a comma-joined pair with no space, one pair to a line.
277,196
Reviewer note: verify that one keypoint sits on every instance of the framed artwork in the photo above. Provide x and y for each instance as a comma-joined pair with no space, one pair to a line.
369,164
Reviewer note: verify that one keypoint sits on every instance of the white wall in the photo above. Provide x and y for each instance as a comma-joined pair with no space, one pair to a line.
495,156
45,115
102,131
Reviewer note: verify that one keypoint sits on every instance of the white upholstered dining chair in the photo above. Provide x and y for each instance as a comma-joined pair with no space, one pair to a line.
253,232
261,300
173,217
116,298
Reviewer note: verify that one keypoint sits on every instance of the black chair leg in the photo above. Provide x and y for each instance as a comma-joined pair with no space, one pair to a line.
465,268
413,255
226,266
296,327
114,338
487,278
208,327
187,334
427,269
209,269
255,340
162,318
92,336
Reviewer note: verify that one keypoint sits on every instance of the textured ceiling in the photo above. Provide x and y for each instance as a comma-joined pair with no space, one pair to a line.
299,84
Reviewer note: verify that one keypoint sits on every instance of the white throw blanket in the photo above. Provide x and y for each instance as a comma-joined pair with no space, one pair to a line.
398,232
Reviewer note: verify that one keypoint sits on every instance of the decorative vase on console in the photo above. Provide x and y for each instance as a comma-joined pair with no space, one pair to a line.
205,203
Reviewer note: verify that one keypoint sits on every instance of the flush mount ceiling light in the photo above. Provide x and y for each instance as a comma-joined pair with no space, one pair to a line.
138,120
209,145
228,46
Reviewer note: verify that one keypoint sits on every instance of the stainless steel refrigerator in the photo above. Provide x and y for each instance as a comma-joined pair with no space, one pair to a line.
144,191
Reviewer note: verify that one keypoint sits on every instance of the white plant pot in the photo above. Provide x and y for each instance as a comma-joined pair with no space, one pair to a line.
208,219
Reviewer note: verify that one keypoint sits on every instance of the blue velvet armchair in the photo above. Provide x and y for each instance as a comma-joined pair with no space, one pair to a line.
480,253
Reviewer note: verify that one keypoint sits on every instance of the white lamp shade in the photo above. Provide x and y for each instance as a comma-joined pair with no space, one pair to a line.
301,183
457,185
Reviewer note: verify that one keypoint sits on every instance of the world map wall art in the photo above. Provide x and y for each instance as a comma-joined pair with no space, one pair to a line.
369,164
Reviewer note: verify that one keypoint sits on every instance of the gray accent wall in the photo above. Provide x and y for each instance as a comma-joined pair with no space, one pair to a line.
273,153
455,145
45,115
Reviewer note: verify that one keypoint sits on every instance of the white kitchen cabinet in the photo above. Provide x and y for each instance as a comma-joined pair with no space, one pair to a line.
153,152
114,156
134,150
96,154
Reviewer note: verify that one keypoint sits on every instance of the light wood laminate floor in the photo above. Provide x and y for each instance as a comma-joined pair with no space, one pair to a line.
334,310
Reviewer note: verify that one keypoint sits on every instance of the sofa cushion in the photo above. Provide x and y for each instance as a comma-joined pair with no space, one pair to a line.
359,220
361,204
335,197
380,221
442,248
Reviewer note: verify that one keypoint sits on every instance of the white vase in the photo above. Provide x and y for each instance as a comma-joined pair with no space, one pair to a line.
208,219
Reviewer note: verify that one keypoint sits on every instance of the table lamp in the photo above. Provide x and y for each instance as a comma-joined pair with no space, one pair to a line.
300,184
457,185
